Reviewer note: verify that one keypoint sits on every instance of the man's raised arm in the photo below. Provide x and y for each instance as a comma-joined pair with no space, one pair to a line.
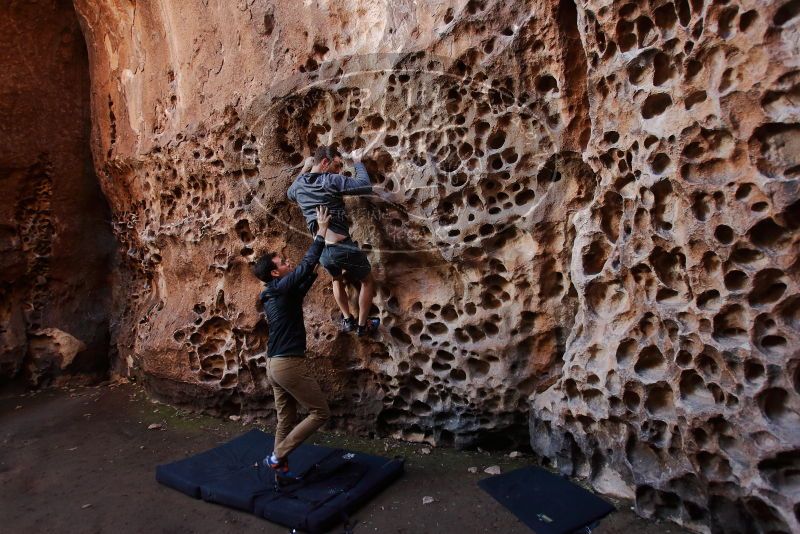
360,185
297,279
291,193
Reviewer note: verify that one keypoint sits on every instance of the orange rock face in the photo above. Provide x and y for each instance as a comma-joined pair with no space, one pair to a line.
584,232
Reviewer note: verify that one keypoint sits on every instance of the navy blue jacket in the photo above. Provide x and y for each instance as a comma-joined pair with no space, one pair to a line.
282,300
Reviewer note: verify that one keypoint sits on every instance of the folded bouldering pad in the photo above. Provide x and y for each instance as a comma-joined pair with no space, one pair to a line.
333,483
546,502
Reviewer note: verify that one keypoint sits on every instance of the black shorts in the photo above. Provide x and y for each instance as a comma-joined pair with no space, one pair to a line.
346,256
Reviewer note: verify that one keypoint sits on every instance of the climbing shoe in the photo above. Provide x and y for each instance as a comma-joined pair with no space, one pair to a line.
348,325
281,467
370,328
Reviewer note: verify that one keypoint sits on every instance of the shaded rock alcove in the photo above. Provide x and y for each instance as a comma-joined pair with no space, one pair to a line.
56,244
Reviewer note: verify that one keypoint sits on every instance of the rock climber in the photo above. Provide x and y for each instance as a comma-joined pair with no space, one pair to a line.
342,258
287,371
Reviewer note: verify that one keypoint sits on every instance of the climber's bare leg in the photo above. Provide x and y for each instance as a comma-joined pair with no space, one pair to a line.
340,295
365,298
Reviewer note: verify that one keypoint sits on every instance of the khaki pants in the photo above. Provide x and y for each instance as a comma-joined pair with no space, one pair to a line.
292,384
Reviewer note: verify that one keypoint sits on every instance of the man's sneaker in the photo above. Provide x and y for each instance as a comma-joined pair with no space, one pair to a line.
281,467
370,328
348,325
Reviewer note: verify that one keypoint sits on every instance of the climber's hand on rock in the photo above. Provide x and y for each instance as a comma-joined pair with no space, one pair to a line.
307,164
357,154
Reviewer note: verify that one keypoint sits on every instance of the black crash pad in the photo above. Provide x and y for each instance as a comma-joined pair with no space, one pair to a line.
334,482
547,503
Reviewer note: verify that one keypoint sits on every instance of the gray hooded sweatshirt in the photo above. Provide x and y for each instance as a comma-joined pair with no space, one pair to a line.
314,189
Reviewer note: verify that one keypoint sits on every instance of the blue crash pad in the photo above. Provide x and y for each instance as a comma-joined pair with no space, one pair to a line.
547,503
334,482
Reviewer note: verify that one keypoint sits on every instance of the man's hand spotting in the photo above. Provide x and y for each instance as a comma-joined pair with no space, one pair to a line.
323,220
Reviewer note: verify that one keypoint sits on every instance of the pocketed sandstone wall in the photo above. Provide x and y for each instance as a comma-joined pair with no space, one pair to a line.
585,229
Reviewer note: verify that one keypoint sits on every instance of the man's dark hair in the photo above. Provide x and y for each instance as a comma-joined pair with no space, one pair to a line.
325,152
264,267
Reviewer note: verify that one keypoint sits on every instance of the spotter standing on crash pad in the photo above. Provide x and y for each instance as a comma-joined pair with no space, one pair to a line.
287,371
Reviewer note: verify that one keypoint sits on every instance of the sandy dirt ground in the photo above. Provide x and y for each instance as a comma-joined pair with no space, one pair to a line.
83,460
